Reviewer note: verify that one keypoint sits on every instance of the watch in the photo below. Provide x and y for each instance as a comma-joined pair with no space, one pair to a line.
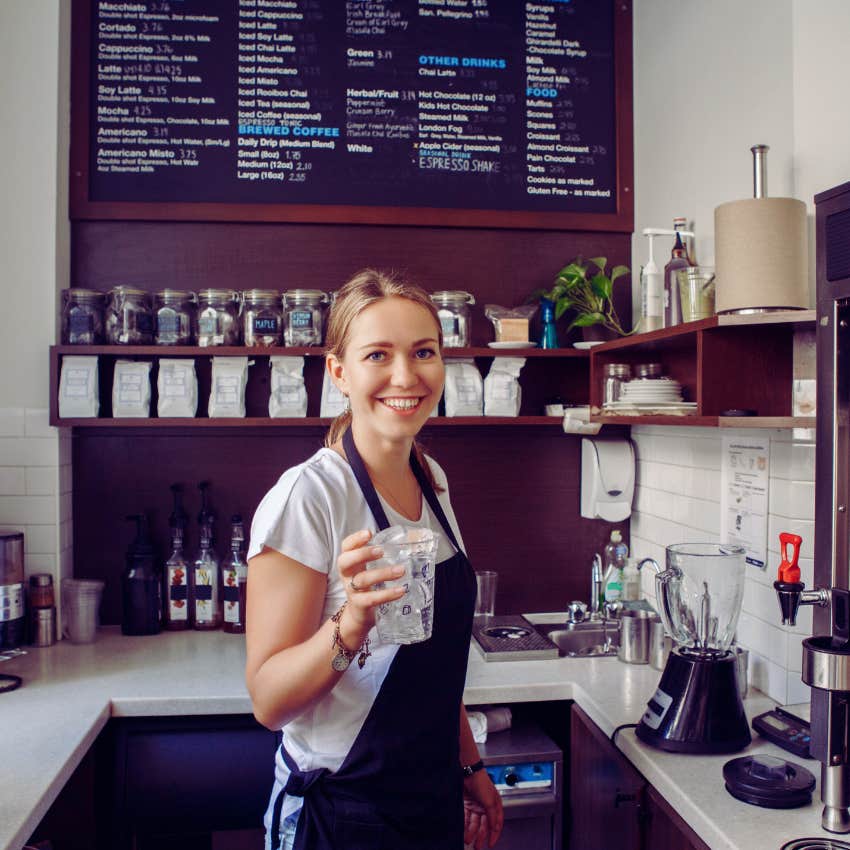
470,769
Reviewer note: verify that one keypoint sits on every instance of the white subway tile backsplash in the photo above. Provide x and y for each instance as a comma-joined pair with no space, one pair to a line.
804,527
797,690
795,653
27,510
37,424
66,507
793,461
37,563
40,539
42,480
12,422
65,446
13,480
66,478
23,451
793,499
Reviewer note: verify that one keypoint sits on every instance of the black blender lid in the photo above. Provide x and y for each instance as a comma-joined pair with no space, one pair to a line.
769,781
816,843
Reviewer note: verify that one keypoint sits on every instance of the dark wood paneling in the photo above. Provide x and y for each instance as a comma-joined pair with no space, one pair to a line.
515,492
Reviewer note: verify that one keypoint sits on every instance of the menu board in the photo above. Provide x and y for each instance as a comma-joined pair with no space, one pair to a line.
496,105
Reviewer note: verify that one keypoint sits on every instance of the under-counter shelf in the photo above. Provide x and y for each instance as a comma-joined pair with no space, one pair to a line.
544,378
723,363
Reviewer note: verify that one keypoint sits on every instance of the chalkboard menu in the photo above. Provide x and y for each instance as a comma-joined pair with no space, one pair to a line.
477,112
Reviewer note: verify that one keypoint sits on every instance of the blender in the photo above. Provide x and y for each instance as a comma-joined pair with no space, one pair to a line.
697,706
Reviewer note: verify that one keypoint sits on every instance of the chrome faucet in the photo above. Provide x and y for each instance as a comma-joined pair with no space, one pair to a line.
595,587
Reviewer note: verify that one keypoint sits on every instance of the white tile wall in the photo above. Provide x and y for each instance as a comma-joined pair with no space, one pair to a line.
35,488
677,500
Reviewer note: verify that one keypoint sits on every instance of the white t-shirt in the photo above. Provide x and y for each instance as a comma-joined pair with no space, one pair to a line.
306,515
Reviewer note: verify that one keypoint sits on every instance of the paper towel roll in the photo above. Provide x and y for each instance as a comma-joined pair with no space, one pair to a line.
761,255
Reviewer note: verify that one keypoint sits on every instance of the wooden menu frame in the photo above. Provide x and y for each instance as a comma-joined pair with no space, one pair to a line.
83,208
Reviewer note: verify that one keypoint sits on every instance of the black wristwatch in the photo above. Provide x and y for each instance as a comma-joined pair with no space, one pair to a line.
470,769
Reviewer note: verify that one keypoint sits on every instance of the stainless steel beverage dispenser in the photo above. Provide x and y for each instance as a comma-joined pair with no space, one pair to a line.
826,655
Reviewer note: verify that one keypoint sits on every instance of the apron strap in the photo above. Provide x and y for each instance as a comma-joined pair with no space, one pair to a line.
298,784
432,500
362,476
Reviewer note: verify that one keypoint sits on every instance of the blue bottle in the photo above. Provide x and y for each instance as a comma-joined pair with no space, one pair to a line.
548,333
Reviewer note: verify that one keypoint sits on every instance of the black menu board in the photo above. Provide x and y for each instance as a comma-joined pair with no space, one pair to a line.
286,108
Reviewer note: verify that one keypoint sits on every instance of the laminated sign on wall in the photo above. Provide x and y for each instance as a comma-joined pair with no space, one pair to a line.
744,481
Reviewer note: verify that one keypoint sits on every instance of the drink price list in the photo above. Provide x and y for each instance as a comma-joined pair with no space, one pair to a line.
464,104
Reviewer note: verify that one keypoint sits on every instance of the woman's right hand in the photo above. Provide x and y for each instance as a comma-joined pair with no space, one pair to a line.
359,579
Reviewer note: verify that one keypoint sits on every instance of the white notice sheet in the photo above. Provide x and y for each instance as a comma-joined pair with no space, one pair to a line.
744,480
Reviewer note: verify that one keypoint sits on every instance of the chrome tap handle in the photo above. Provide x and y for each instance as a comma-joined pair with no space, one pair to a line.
595,585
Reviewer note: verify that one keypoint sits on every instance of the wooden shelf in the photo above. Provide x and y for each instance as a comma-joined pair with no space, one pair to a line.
711,421
295,422
242,351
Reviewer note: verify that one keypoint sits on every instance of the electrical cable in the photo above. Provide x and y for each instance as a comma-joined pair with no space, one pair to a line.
621,726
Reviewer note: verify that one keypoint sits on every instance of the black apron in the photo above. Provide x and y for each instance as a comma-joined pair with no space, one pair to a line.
400,786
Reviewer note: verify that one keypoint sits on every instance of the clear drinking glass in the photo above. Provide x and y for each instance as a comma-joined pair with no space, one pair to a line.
411,618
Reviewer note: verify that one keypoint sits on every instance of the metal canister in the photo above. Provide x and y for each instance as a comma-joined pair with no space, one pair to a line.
43,626
634,636
12,620
660,644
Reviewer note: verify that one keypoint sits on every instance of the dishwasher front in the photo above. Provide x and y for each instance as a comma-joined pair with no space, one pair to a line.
527,768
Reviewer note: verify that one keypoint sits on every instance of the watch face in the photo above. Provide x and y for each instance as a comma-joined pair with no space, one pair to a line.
340,662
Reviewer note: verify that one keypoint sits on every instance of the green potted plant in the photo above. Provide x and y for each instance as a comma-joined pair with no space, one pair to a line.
587,289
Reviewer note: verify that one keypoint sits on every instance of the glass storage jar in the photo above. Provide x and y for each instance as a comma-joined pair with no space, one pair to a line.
262,317
174,312
82,316
129,317
614,375
303,316
648,370
453,311
218,317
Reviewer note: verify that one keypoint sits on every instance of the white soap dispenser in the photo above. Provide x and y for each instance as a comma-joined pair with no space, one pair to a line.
651,288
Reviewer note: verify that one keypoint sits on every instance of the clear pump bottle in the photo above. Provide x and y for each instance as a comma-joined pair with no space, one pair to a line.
616,555
234,580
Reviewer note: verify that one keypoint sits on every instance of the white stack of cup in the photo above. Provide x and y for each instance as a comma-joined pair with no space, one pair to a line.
80,609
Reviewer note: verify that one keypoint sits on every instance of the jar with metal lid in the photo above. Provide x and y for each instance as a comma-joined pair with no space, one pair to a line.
262,318
614,376
303,316
454,313
41,590
218,317
12,620
129,316
82,316
174,314
648,370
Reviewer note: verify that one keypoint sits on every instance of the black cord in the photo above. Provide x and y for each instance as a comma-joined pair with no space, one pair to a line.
622,726
9,683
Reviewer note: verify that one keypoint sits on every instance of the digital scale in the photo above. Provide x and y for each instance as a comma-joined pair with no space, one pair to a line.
786,729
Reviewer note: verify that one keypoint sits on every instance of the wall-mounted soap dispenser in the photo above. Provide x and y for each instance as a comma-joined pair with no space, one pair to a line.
607,479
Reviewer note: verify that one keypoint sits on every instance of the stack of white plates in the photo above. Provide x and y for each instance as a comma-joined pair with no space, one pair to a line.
651,394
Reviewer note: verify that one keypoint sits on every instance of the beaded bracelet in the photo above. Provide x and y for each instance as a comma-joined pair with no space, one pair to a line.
344,656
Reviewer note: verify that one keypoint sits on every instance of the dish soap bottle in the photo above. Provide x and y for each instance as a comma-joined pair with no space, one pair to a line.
176,573
205,587
140,584
234,580
616,554
631,581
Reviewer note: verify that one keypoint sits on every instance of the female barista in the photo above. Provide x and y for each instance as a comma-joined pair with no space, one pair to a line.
378,753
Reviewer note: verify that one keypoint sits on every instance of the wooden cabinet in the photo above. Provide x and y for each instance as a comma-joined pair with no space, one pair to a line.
722,363
548,374
611,804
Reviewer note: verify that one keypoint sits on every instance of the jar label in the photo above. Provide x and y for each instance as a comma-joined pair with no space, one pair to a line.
80,323
178,594
11,602
301,319
167,322
265,325
450,325
207,324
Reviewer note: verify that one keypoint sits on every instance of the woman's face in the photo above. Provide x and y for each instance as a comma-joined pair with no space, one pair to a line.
392,371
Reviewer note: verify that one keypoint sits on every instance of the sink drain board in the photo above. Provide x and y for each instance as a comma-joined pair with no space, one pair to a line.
511,638
816,844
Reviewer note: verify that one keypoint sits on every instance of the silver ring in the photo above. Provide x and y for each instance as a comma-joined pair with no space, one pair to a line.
353,586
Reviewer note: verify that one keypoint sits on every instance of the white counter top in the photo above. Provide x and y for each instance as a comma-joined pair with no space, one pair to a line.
69,693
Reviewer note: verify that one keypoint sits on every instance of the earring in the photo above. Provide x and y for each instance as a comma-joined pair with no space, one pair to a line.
347,408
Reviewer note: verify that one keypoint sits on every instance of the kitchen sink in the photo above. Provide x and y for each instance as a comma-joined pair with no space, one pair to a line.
590,639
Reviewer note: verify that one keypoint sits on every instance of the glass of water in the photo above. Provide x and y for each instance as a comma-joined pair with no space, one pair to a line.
409,619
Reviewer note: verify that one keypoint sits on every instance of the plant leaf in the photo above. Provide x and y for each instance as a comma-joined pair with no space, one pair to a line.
571,270
587,319
618,271
601,286
561,307
599,262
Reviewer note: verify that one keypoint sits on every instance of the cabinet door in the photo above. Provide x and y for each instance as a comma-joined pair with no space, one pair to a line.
606,792
664,828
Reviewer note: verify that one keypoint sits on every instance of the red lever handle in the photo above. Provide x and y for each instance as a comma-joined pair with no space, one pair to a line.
788,569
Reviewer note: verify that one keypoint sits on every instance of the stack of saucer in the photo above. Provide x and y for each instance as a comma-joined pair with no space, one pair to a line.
646,394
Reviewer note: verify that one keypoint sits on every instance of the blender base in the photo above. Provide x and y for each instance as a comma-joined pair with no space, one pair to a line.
697,707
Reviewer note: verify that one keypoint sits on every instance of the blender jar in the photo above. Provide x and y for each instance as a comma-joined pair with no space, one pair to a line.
700,595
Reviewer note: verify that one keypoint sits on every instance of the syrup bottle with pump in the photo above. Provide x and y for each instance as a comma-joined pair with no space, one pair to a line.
140,588
651,289
234,580
205,579
176,573
678,260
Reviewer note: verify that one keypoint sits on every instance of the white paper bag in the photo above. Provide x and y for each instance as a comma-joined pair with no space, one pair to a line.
502,392
78,388
333,401
131,389
288,393
227,389
464,391
177,388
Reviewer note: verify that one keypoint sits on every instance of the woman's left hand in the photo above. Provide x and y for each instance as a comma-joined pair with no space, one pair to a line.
482,809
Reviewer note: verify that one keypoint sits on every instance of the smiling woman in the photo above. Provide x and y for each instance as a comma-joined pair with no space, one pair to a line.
377,755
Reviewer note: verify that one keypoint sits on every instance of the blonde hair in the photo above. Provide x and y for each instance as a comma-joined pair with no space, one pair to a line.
365,288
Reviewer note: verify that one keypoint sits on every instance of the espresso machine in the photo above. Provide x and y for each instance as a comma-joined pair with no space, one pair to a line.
826,655
697,706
